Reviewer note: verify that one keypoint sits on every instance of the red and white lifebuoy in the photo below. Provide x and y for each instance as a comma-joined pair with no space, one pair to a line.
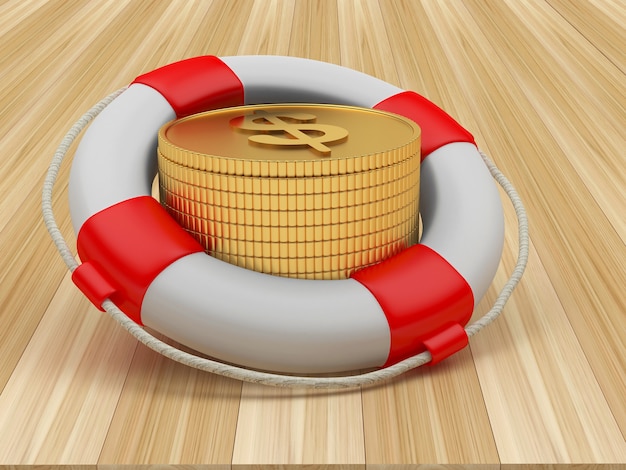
133,253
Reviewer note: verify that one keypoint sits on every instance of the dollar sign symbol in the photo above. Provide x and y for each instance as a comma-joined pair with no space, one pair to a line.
299,129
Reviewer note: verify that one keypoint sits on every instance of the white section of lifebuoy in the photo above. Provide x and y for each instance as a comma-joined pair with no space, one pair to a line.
278,79
462,214
267,322
116,158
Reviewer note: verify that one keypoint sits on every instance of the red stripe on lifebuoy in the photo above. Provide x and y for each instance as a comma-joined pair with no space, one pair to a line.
127,246
421,295
438,127
195,85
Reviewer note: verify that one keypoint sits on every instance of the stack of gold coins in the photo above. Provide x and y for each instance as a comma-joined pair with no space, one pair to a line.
307,191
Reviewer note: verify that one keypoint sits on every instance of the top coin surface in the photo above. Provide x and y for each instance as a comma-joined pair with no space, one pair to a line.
286,133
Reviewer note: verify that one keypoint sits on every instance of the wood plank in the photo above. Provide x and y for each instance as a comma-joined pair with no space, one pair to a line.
585,123
272,21
296,467
79,359
172,414
15,12
564,467
33,127
160,467
417,51
287,427
360,49
226,22
433,467
429,415
542,396
579,241
46,467
600,22
315,31
30,272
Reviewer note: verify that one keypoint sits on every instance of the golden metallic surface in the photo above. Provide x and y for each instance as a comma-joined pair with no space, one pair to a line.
310,191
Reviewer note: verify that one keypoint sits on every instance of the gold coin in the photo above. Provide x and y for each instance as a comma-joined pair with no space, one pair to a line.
220,141
313,191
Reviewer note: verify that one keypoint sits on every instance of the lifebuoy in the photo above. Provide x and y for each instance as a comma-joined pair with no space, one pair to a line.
133,253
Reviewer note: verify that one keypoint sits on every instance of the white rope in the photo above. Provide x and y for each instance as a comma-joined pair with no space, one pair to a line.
254,376
53,171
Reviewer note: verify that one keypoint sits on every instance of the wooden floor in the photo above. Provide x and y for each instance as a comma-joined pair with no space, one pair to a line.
540,83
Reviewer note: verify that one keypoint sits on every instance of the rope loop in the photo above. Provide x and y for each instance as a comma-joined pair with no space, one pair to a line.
266,378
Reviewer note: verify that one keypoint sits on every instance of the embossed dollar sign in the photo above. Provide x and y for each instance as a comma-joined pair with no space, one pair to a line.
293,129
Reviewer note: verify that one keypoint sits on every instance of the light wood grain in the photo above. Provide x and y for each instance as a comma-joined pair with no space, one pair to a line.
439,407
583,257
306,427
161,409
360,49
73,371
315,31
541,84
600,22
272,22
